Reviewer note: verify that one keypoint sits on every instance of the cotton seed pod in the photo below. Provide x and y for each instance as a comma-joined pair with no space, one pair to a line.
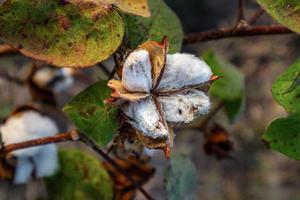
158,88
29,125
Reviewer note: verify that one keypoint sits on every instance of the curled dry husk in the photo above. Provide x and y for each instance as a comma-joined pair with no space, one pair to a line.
157,88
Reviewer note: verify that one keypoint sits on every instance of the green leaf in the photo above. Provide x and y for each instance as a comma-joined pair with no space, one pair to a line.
283,135
163,22
81,176
286,12
286,90
234,108
230,87
61,34
89,113
181,181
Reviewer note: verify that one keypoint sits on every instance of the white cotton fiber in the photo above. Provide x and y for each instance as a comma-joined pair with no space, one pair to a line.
184,70
185,107
136,75
26,126
145,117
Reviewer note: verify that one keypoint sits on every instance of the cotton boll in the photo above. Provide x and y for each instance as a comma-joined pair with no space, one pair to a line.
144,116
55,79
46,161
65,81
185,107
136,75
23,170
184,70
27,126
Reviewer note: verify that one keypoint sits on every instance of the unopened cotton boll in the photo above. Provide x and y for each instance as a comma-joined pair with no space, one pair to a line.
144,116
184,70
136,74
185,107
26,126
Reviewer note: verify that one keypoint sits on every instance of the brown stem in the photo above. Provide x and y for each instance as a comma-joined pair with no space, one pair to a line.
5,49
241,8
235,32
256,16
74,136
63,137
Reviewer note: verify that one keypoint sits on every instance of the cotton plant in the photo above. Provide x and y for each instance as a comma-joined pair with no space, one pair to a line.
26,124
157,89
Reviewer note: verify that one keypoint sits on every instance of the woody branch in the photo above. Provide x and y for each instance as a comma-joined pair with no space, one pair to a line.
74,136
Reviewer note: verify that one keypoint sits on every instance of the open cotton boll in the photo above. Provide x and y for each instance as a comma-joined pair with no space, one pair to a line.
27,126
144,116
184,70
65,81
185,107
136,75
46,161
23,170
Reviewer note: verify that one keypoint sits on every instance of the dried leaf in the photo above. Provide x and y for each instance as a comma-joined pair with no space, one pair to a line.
138,169
120,93
7,168
158,53
218,143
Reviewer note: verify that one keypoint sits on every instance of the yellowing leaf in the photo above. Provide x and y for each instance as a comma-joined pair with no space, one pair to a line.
137,7
61,34
157,52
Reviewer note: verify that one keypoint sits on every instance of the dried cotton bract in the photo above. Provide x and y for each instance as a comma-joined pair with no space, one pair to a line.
156,88
29,125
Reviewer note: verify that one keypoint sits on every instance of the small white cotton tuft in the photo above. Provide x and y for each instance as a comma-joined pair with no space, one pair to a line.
144,116
27,126
136,75
184,70
23,170
46,161
185,107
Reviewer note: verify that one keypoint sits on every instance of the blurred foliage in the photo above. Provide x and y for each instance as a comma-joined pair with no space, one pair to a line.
230,87
91,115
81,177
181,180
163,22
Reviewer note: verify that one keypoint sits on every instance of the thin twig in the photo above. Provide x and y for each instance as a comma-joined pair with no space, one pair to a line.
63,137
93,145
241,9
5,49
235,32
256,16
74,136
